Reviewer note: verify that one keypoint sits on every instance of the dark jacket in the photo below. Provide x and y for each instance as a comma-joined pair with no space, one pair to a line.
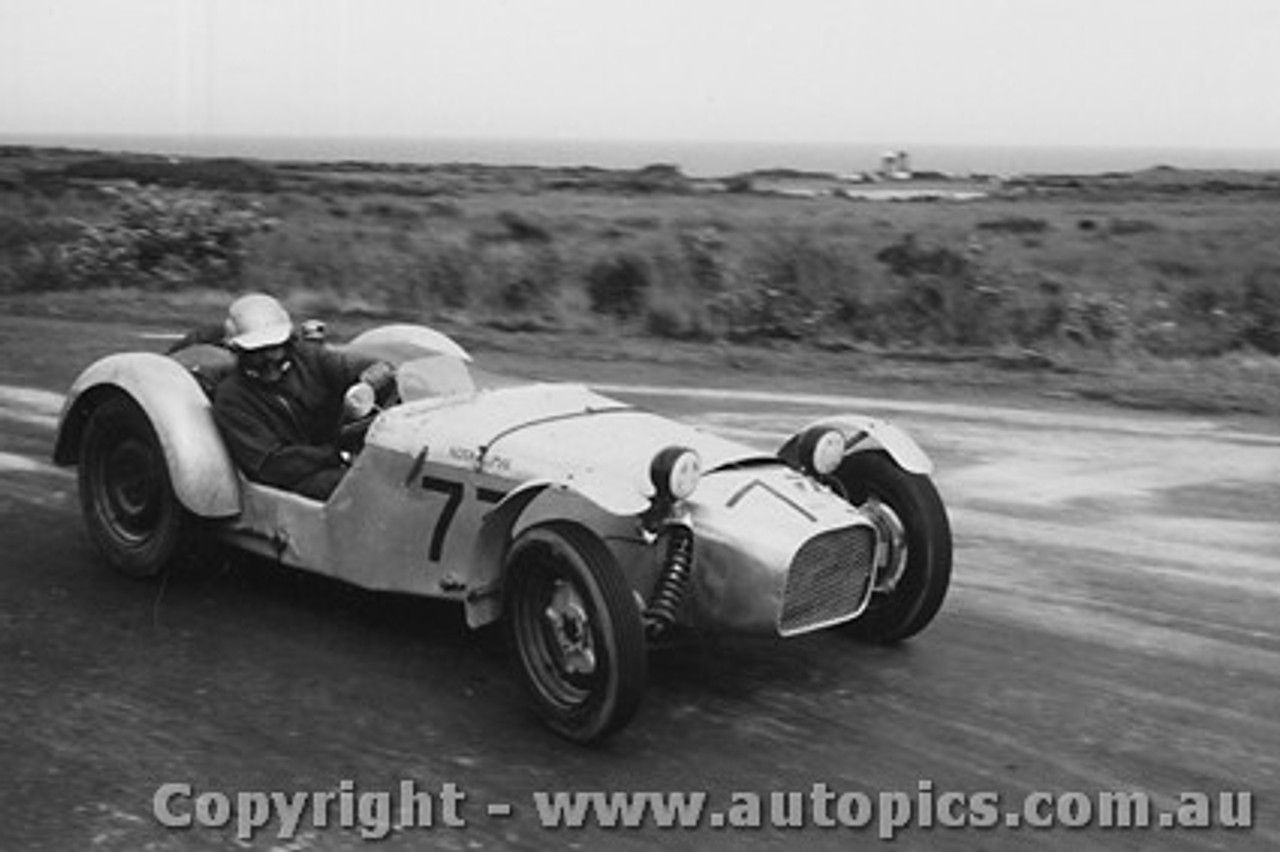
284,434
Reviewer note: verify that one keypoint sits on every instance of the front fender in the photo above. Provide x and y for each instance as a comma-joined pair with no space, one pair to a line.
202,473
867,433
532,503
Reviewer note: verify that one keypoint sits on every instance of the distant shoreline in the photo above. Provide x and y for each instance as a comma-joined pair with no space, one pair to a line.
695,159
54,165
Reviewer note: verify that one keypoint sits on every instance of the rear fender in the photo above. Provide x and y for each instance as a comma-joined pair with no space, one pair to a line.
530,504
863,434
203,476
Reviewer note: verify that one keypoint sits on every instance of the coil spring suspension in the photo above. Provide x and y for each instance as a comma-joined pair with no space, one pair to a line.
668,593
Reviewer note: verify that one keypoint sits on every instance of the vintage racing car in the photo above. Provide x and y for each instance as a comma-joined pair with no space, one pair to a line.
591,527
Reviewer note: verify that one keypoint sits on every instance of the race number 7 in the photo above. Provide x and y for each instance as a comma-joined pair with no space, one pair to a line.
453,493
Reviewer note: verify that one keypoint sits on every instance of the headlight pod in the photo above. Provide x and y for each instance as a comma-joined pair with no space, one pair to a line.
821,450
675,472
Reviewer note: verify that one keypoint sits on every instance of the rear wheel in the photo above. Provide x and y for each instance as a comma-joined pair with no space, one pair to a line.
913,567
125,492
575,630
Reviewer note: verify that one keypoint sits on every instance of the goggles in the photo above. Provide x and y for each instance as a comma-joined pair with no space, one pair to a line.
268,364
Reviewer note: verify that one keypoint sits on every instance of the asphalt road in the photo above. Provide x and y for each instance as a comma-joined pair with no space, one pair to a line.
1112,628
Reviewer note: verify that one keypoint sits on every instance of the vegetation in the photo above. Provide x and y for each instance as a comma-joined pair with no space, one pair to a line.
1071,269
156,239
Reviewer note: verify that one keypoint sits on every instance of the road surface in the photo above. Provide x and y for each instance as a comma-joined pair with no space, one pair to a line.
1112,628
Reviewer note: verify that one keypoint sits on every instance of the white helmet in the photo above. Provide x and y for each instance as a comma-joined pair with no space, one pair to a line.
257,321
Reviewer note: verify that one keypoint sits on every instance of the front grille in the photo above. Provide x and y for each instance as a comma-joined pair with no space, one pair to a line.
829,580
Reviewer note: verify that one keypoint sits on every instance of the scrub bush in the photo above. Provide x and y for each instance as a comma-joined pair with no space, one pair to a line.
761,312
943,296
522,229
158,238
1261,308
789,285
211,174
618,285
1130,227
1015,225
517,280
446,272
31,256
702,250
673,316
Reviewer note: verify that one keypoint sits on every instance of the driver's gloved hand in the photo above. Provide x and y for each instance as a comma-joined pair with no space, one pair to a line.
359,401
381,377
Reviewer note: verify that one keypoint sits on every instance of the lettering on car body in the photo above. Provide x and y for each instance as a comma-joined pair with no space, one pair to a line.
480,459
497,464
464,454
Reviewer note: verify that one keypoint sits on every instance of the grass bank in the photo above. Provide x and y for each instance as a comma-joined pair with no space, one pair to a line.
89,324
1157,288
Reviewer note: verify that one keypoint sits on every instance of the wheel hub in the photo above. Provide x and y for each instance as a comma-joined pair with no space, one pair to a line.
891,544
131,487
570,626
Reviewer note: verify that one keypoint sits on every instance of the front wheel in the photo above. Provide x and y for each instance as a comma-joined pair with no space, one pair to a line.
913,567
125,493
575,631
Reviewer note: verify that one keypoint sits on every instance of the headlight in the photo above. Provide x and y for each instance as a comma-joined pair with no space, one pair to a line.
675,472
821,450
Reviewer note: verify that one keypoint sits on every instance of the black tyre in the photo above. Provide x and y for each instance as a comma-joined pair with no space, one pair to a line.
575,631
916,571
125,493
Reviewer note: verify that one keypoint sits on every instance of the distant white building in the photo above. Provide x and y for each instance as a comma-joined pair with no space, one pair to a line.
895,165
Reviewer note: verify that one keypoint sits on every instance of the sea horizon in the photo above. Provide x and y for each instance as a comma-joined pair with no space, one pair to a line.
696,159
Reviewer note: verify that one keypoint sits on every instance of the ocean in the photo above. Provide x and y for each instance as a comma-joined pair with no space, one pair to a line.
696,159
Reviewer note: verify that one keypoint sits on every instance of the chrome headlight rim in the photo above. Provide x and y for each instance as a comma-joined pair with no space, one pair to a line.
821,450
675,473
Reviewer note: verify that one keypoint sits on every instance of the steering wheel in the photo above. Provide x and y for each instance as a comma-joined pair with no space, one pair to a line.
360,407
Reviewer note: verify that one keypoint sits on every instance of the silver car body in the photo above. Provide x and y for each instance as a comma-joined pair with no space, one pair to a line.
448,478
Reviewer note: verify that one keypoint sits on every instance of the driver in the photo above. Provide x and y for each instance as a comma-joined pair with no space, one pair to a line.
281,410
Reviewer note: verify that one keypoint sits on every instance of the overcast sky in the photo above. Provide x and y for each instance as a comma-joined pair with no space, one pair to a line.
1168,73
